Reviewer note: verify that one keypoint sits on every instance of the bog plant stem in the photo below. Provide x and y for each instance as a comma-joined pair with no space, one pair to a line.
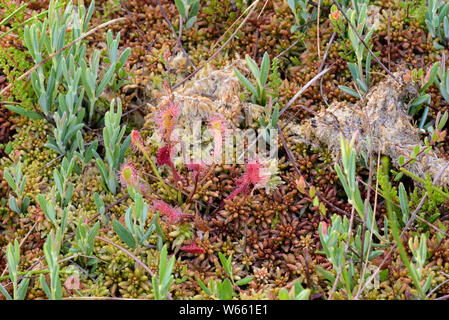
397,237
172,196
415,177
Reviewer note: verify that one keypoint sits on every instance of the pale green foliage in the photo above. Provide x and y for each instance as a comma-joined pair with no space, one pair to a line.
297,292
85,237
164,280
361,75
347,178
133,234
442,81
437,21
393,222
85,151
13,259
51,212
61,176
113,133
188,10
259,94
68,88
418,247
52,247
223,290
118,60
17,182
51,251
423,97
302,15
334,238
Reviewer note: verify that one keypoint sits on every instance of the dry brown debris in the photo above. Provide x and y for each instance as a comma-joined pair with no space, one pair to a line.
382,115
213,92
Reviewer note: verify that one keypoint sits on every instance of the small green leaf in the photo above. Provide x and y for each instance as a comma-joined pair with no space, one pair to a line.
124,234
420,100
195,9
181,9
244,281
283,294
23,287
45,287
10,180
264,68
443,121
203,286
106,79
27,113
416,150
226,291
13,205
190,22
349,91
5,293
254,69
225,264
403,199
246,83
99,204
383,275
275,116
25,204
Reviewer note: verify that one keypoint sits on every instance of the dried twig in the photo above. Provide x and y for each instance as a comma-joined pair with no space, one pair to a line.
304,88
340,269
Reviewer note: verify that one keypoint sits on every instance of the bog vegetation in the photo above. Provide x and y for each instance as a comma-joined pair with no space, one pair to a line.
98,202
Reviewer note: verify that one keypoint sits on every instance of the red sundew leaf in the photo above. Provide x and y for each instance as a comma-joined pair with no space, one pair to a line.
193,248
173,214
136,141
167,118
164,156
